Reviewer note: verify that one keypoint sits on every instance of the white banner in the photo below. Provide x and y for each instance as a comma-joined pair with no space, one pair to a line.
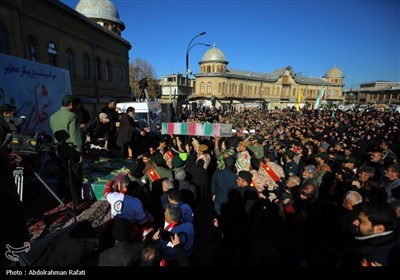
35,89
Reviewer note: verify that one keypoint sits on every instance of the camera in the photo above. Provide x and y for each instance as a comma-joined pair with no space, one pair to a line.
166,235
281,191
24,144
143,83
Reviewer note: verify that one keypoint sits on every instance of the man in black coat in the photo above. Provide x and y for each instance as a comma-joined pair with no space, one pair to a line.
127,132
122,253
378,239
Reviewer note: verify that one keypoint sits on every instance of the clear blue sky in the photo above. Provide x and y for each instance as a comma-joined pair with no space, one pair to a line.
362,38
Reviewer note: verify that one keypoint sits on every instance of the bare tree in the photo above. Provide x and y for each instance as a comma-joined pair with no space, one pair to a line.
139,69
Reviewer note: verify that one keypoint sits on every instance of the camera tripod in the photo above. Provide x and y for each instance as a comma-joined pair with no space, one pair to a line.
18,174
143,96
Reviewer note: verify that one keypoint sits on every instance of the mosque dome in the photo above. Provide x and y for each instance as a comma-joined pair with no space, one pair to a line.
100,10
213,54
334,73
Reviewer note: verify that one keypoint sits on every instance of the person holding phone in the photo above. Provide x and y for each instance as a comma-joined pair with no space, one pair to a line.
173,224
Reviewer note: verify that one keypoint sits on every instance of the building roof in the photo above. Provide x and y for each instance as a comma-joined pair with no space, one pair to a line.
214,55
100,9
65,8
269,77
334,72
311,80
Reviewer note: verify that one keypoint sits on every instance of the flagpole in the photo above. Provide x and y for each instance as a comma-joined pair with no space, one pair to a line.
318,101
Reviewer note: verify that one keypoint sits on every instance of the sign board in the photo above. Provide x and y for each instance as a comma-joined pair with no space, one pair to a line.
35,89
154,105
198,129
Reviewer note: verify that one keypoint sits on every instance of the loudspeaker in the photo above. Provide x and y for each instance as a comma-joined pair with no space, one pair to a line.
63,248
167,112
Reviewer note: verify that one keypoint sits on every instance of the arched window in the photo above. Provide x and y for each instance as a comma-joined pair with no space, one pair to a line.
202,87
32,50
209,87
119,73
99,68
70,62
3,39
108,71
240,89
86,65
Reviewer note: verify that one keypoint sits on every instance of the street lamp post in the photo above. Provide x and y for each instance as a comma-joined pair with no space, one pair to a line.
189,47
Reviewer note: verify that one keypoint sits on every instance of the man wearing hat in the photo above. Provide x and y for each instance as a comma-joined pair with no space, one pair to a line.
65,127
177,163
202,153
350,163
243,159
222,153
256,147
364,182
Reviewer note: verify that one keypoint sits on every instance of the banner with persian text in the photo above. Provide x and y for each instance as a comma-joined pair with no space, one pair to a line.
35,89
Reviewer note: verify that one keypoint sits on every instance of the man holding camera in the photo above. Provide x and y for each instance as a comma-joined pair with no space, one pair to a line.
67,136
6,110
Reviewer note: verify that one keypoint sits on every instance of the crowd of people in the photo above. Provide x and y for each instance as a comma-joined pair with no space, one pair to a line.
293,188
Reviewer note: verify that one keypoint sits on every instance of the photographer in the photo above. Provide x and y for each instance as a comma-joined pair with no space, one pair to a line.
6,110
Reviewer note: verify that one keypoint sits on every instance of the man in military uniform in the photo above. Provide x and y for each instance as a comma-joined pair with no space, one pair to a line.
67,135
243,157
255,146
222,153
272,172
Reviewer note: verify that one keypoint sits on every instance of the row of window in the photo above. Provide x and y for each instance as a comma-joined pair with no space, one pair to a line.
103,71
213,68
383,97
259,91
